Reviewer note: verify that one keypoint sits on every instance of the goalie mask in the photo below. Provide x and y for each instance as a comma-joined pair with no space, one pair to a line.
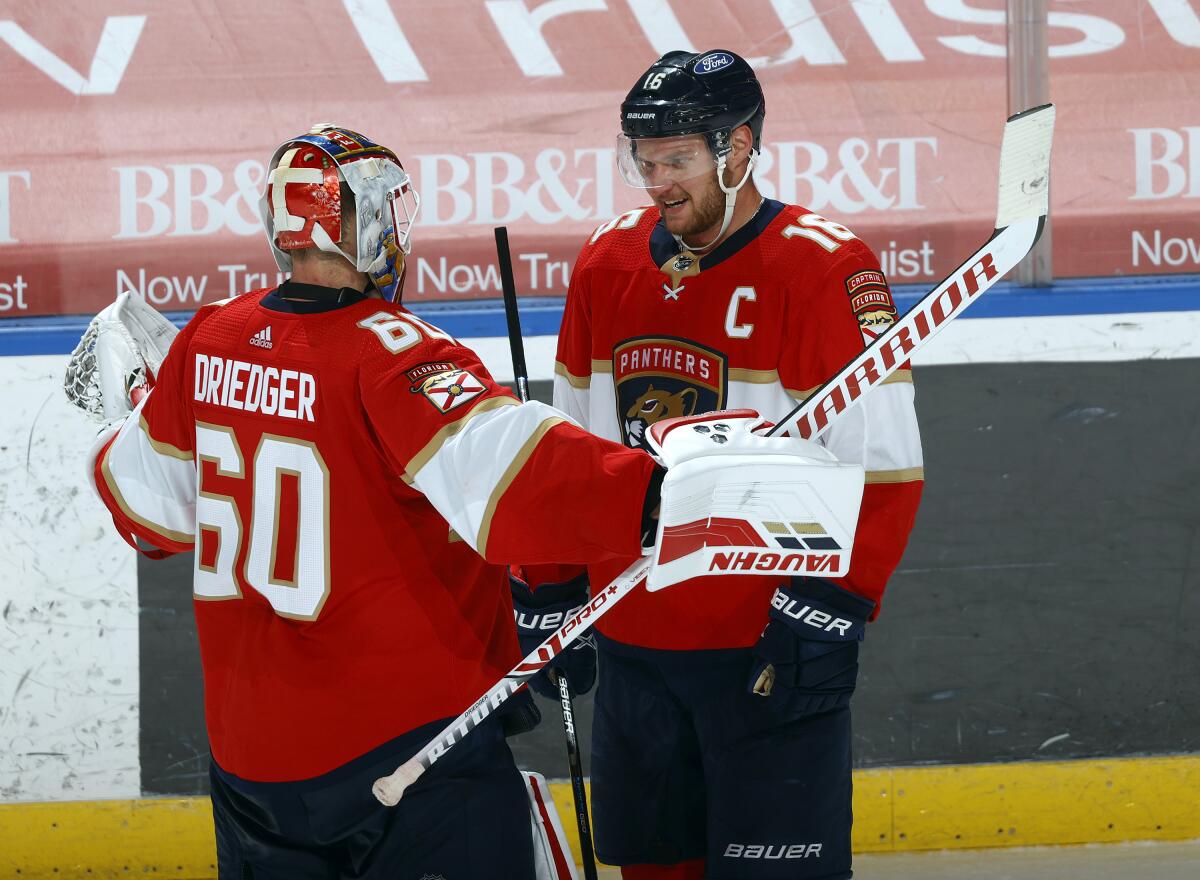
302,206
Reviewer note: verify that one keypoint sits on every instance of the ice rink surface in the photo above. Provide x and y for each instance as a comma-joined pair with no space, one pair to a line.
1113,861
1117,861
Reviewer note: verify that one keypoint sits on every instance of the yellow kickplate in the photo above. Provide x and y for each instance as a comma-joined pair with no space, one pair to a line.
895,809
171,837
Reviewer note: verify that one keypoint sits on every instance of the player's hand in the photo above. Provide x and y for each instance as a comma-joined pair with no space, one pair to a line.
541,611
807,657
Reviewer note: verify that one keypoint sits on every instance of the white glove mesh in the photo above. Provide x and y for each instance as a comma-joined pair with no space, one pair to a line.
122,349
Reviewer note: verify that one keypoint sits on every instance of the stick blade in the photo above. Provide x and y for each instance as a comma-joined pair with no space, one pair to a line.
1025,166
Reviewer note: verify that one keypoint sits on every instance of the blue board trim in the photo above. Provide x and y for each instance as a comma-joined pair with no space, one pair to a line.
541,316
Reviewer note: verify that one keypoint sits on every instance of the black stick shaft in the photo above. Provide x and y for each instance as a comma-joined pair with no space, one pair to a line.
516,345
578,792
509,287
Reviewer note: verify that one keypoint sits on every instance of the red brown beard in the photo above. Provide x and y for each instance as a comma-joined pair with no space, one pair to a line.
706,214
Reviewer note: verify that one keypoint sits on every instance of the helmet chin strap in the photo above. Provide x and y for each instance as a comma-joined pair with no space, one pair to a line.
730,202
323,242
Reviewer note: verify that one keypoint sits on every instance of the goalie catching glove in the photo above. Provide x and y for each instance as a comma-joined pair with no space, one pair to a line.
116,362
737,502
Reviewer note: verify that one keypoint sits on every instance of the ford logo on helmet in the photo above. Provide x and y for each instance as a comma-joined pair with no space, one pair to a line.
712,62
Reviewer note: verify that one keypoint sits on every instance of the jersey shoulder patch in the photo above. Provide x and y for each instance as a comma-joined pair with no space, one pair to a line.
871,301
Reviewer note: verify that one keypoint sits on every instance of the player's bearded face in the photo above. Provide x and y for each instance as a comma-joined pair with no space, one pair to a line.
691,207
680,175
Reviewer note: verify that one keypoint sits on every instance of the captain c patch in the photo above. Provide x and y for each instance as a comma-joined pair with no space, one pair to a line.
871,302
451,389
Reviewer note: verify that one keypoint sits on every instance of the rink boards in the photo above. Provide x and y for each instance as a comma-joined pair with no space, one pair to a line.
1033,668
905,809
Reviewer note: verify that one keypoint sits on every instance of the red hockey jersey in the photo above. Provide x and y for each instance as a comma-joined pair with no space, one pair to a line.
761,322
350,480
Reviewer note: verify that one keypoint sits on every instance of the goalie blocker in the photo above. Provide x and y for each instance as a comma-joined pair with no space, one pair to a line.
767,505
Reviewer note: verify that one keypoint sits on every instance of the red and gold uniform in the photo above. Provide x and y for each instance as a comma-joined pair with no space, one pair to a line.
761,322
350,480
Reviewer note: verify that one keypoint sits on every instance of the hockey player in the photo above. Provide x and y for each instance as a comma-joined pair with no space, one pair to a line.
351,480
721,737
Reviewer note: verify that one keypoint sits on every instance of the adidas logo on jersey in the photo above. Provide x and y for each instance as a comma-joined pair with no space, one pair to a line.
262,338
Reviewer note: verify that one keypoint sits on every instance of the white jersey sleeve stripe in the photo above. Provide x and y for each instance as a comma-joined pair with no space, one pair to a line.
431,449
465,476
572,399
153,483
881,433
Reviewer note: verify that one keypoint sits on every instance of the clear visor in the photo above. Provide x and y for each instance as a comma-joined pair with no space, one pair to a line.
650,163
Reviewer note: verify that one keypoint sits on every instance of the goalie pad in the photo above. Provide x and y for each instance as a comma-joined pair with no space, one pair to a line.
118,358
551,854
737,502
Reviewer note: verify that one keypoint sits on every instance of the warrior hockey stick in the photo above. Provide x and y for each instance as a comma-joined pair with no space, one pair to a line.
1023,204
389,789
521,375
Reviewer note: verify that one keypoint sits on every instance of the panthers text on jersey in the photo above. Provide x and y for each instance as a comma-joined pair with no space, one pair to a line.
761,322
351,481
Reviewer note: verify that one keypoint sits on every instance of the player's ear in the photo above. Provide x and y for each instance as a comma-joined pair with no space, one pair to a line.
741,139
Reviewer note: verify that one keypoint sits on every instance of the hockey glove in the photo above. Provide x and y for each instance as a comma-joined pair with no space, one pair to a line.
542,611
116,362
735,499
808,653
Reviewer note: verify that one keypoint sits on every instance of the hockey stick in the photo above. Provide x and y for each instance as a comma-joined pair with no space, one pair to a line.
1023,203
1021,214
390,789
512,316
521,375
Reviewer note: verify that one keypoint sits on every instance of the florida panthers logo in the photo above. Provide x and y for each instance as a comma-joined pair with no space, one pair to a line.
659,378
871,301
653,406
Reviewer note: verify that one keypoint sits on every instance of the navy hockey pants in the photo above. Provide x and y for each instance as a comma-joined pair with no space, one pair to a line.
687,764
468,816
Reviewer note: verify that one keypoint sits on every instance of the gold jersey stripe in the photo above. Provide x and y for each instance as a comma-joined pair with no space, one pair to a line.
510,474
438,440
898,376
754,377
602,366
801,395
163,448
574,381
902,475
